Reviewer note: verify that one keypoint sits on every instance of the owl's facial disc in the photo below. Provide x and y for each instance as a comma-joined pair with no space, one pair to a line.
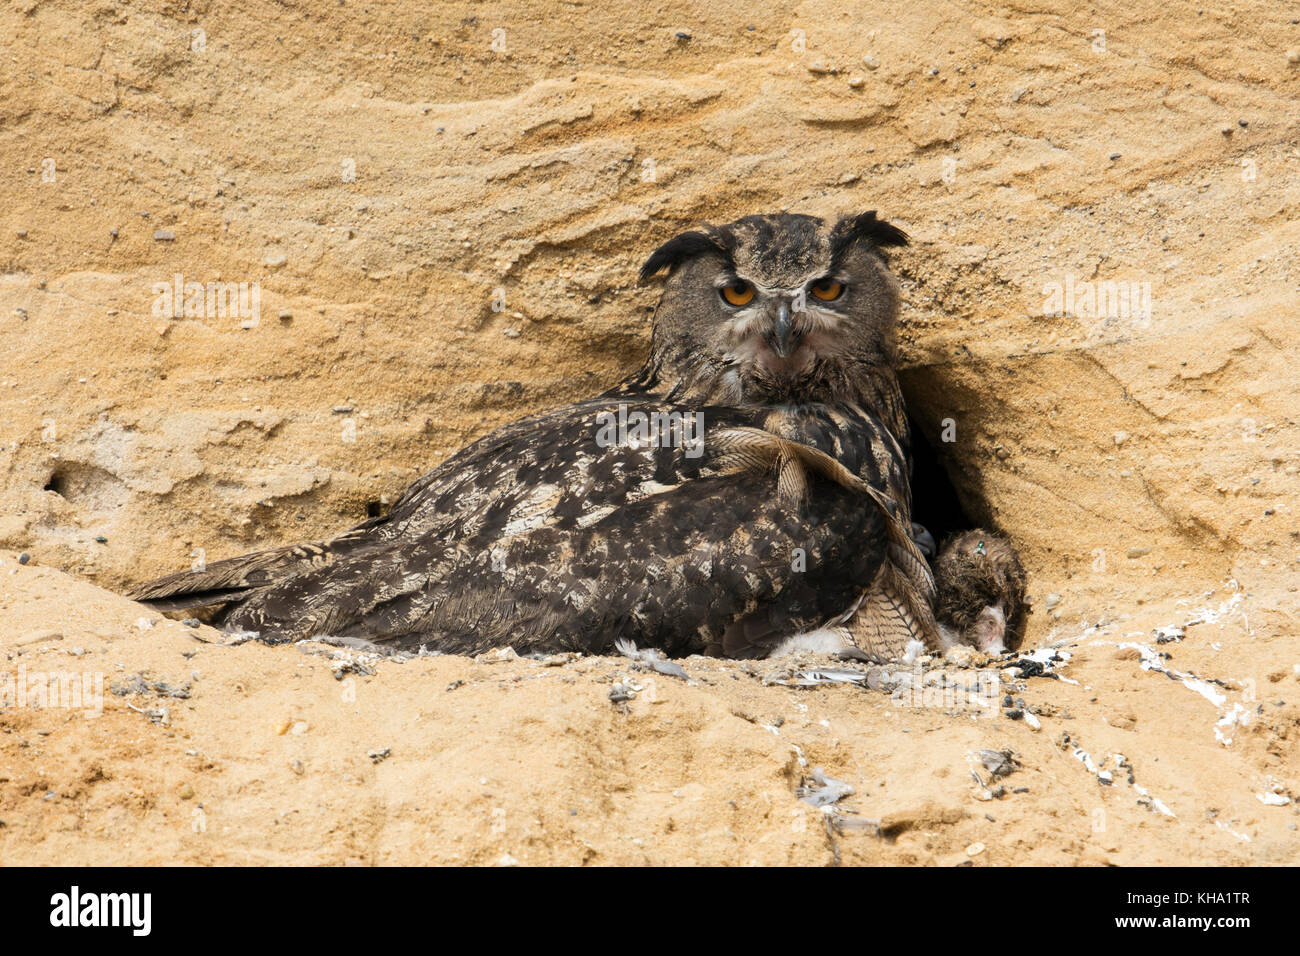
779,308
779,330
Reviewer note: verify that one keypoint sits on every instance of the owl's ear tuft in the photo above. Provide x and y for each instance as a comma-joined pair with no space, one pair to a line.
679,249
878,232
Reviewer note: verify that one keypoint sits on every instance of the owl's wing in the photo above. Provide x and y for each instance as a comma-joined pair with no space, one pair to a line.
437,498
898,606
543,536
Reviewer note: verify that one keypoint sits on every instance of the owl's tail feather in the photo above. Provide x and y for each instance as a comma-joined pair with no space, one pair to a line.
229,580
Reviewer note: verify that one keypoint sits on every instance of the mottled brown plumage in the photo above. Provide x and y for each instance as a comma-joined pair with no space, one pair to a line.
981,592
790,512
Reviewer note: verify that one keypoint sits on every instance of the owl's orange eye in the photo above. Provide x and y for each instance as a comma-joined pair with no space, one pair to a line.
739,292
828,290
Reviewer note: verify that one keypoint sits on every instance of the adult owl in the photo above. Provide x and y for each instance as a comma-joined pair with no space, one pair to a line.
744,492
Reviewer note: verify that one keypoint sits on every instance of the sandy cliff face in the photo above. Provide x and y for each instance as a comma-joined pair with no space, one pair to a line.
1100,337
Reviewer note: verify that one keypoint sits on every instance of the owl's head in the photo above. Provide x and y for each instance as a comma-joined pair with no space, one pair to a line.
779,308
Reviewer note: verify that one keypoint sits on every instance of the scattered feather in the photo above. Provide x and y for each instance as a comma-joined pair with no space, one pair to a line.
820,790
826,675
651,658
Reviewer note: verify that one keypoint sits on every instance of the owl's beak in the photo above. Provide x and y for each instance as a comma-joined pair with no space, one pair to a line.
783,340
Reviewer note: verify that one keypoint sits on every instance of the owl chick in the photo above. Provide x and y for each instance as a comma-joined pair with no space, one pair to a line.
981,592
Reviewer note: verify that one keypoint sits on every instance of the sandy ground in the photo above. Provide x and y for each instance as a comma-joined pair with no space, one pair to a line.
442,208
1129,751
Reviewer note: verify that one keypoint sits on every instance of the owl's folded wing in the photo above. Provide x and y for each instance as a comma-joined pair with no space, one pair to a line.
548,534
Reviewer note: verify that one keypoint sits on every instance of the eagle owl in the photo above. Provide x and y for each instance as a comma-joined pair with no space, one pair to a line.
745,491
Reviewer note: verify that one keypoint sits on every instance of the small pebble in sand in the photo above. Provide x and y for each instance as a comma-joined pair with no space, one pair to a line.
1000,763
